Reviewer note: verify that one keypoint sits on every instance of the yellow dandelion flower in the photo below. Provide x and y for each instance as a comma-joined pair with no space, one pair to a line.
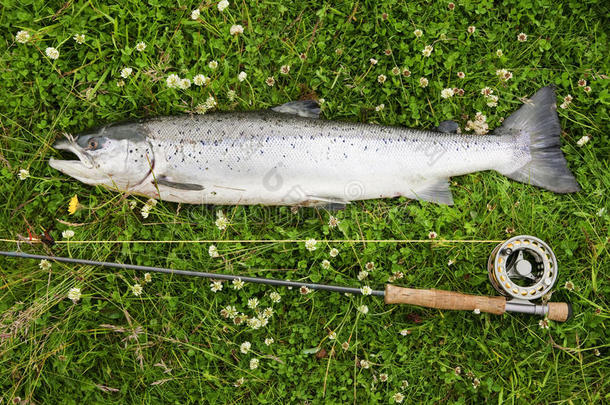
73,206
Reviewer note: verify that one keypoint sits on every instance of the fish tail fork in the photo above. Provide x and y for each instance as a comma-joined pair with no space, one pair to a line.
536,128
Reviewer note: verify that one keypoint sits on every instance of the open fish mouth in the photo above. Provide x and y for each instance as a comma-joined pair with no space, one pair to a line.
82,169
71,146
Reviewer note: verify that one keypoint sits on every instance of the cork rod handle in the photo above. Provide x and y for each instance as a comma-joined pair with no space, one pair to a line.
444,299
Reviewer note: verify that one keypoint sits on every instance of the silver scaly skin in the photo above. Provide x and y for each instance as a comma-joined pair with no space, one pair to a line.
289,157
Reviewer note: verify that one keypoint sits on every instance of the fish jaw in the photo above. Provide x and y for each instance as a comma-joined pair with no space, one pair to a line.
79,171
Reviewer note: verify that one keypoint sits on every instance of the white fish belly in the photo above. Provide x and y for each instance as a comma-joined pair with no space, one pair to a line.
270,158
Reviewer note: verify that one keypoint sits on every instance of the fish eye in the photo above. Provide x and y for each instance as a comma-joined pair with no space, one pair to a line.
92,144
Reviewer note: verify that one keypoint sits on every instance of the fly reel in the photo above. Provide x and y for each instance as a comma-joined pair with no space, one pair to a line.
523,267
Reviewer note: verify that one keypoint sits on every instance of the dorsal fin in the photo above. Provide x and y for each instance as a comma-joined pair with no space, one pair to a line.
302,108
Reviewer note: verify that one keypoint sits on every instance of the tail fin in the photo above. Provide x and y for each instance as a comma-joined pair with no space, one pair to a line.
538,123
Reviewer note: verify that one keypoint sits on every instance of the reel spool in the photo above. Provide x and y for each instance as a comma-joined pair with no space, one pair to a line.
523,267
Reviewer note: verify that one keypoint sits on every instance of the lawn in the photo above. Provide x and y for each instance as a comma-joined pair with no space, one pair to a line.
172,342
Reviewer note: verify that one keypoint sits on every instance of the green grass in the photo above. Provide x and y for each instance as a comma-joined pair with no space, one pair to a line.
171,345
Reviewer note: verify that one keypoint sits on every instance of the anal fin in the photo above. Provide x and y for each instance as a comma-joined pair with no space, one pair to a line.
435,191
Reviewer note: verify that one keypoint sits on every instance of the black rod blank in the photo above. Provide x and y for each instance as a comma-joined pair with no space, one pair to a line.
217,276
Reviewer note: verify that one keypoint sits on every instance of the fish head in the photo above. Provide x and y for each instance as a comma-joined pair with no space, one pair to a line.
117,156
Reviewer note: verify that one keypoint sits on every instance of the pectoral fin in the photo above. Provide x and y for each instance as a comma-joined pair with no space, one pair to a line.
435,191
303,108
180,186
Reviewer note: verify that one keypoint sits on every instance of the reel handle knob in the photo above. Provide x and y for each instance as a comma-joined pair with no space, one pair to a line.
444,299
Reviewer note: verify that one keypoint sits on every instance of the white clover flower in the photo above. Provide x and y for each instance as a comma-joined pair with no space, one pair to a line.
310,244
504,74
254,323
406,72
275,297
395,70
522,37
185,84
492,101
67,234
120,83
22,37
236,29
304,290
195,14
52,53
423,82
369,266
365,363
245,347
267,312
345,345
221,222
222,5
253,364
499,53
238,284
199,80
126,72
472,29
44,264
325,264
543,323
285,69
334,252
363,309
147,277
210,102
270,81
79,38
381,78
398,397
446,93
418,33
231,311
269,341
145,211
373,61
213,64
383,377
332,335
140,46
569,286
404,332
486,91
583,141
427,51
432,235
172,81
137,289
476,311
461,75
23,174
253,303
216,286
362,275
242,76
74,294
213,251
366,290
380,107
582,83
231,95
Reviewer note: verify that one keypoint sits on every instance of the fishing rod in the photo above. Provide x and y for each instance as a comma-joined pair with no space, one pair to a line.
521,269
